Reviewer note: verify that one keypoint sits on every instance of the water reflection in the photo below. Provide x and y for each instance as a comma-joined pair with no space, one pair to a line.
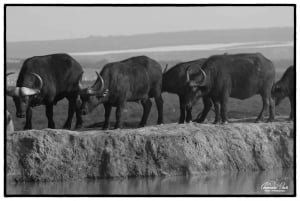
217,183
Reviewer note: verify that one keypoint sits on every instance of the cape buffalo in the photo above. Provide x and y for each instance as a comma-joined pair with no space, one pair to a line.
134,79
45,80
239,76
285,87
174,81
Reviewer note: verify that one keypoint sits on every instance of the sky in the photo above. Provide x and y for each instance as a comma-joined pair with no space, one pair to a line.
50,23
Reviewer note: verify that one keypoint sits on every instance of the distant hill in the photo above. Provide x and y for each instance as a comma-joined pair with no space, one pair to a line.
99,43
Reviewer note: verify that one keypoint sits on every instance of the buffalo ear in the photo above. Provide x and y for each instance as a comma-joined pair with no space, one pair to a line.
277,88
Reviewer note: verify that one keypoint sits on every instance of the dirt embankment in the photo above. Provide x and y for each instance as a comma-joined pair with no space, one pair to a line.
172,149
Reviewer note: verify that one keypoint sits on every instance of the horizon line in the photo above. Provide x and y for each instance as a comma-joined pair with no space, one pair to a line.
148,33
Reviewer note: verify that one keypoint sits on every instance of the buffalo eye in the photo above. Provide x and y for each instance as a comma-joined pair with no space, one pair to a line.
193,88
278,89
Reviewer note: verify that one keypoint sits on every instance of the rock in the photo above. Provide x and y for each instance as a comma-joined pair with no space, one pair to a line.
164,150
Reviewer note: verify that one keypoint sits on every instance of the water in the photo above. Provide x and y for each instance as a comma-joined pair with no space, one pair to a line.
195,47
217,183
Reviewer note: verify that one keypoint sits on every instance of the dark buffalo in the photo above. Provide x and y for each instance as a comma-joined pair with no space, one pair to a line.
45,80
134,79
239,76
175,81
285,87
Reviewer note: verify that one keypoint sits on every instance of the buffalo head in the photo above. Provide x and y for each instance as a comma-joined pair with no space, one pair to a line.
195,85
92,96
279,92
23,95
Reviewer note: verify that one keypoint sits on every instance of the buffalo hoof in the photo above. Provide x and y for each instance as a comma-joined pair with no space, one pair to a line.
224,122
258,120
198,121
141,125
67,127
78,126
181,122
27,128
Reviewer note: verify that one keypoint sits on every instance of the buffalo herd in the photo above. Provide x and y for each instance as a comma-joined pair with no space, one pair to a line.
45,80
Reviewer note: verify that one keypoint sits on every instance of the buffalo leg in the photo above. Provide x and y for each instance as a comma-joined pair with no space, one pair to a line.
271,109
292,107
224,102
265,106
182,109
71,111
188,113
159,104
207,105
79,120
118,116
217,111
49,114
28,124
107,108
147,104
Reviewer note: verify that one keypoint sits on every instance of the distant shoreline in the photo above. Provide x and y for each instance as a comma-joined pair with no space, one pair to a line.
198,47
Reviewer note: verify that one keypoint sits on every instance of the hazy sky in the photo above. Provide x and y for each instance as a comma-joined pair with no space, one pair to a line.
44,23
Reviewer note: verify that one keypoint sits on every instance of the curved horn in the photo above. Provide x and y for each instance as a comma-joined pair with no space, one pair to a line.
80,82
187,74
40,80
165,70
30,91
101,81
10,73
203,77
94,90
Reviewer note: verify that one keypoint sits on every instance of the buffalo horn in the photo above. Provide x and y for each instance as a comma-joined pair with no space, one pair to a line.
165,70
7,74
101,81
94,90
203,77
80,82
187,74
25,91
30,91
